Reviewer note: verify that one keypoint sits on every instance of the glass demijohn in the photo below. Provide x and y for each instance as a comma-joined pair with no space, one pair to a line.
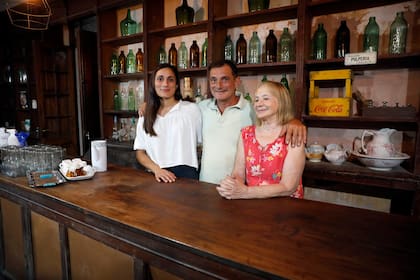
128,26
184,13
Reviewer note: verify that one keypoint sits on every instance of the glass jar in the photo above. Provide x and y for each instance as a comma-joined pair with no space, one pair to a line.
128,26
258,5
286,45
229,51
342,40
194,55
130,62
371,36
241,50
122,62
184,13
173,55
271,47
139,60
398,34
162,55
204,53
320,43
182,56
254,48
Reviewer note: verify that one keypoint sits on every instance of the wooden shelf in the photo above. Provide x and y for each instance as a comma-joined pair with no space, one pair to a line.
122,114
266,68
185,29
125,77
126,40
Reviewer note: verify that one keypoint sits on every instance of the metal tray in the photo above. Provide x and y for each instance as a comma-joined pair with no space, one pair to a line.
44,178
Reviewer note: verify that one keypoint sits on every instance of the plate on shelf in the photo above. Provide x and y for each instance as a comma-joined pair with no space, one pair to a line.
381,163
90,173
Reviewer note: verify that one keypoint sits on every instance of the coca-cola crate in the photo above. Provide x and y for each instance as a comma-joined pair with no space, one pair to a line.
335,106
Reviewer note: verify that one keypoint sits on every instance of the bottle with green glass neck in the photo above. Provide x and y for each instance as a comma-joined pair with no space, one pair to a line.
398,34
131,62
184,13
162,55
248,97
128,26
264,78
286,45
182,56
204,53
117,100
114,64
371,36
320,43
254,48
228,48
131,100
284,81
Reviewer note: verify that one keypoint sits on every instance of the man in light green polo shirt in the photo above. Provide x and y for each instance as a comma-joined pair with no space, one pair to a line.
223,117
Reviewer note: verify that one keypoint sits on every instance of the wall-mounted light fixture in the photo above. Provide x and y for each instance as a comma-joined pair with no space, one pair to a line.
30,14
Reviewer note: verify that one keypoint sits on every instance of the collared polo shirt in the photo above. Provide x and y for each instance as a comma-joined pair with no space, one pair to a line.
220,137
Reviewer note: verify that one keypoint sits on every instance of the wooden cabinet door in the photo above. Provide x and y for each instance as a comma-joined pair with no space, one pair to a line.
56,95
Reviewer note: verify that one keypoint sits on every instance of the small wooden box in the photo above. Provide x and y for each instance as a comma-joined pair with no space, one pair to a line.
332,107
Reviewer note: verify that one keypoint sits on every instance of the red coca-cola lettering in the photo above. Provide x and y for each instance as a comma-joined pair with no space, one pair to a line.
336,108
320,109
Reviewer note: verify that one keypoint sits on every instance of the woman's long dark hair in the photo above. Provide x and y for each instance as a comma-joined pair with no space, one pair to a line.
153,100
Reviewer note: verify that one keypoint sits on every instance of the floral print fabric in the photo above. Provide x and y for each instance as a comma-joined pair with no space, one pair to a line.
264,165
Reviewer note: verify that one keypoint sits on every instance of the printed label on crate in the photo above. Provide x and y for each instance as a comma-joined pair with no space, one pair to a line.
329,107
360,58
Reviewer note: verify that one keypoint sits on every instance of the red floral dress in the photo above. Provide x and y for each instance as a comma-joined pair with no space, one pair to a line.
264,165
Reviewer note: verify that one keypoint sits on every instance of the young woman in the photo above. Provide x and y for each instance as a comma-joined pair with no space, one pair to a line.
168,133
265,166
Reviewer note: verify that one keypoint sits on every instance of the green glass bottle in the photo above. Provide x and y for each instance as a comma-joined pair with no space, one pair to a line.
228,48
258,5
320,43
284,81
204,53
162,55
241,50
254,48
342,40
371,36
117,100
131,62
131,100
182,56
286,45
398,34
264,78
184,13
128,26
114,64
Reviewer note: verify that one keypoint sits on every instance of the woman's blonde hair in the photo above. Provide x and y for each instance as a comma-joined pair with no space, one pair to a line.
285,112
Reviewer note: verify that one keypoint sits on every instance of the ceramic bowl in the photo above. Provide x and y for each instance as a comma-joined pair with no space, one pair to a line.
381,164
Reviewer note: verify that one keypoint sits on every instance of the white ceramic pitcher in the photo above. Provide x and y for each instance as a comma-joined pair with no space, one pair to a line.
380,145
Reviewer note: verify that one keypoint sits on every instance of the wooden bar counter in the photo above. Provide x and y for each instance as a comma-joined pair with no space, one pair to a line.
122,224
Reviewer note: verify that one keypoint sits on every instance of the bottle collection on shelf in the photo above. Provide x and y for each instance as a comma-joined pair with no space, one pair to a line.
124,129
127,100
184,58
397,38
127,64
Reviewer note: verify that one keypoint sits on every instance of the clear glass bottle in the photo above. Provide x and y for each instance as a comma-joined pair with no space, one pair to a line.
130,62
284,81
286,45
194,55
124,99
198,97
182,56
271,47
184,13
371,36
139,60
229,50
254,48
173,55
398,34
122,62
162,55
117,100
320,43
128,26
131,102
342,40
114,64
204,53
241,50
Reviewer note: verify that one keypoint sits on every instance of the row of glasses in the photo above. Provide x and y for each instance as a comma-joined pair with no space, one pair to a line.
16,161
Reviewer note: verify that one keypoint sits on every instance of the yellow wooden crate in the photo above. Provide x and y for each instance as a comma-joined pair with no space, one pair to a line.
341,107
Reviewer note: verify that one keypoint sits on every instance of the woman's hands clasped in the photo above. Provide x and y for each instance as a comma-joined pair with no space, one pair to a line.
232,188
